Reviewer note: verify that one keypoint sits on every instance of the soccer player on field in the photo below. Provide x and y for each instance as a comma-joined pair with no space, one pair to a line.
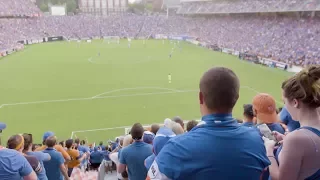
169,78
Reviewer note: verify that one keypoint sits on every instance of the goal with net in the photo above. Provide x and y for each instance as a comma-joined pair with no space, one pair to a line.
111,39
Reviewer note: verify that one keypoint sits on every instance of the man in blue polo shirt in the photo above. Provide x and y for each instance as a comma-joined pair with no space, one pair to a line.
55,168
286,118
133,156
218,148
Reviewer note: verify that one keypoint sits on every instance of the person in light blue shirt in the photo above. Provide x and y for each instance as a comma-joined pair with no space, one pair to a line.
55,168
286,118
218,147
14,166
133,156
38,154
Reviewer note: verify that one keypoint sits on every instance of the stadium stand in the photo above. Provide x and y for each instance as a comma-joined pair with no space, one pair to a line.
246,6
291,39
259,35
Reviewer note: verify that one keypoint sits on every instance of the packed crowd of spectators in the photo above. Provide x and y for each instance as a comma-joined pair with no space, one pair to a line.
248,6
267,144
18,8
288,39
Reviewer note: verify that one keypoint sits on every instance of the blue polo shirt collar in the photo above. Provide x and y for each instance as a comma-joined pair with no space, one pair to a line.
50,148
248,124
218,120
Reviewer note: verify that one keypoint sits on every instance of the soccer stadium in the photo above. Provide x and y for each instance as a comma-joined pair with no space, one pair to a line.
188,89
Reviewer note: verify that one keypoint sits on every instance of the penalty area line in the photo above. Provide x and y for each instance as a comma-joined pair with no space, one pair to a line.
172,91
102,97
124,89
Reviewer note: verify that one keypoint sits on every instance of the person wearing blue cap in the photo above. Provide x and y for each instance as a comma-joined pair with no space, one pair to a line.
218,147
58,147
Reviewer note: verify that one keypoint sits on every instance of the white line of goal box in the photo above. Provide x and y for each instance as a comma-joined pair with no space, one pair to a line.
127,128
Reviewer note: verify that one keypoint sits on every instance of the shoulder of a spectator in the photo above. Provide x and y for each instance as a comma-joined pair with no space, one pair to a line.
41,148
62,151
299,136
283,116
176,148
296,139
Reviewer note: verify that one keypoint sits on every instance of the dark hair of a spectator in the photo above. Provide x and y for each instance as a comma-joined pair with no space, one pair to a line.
248,111
137,131
219,87
77,141
27,141
82,142
304,87
61,143
34,146
191,124
69,143
51,141
15,142
155,128
101,143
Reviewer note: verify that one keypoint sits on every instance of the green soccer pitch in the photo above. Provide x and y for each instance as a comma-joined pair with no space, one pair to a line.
67,87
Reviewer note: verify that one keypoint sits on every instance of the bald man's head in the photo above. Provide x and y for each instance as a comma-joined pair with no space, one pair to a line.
51,141
219,89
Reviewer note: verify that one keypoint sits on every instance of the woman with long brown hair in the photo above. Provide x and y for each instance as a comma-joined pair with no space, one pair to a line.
299,154
28,143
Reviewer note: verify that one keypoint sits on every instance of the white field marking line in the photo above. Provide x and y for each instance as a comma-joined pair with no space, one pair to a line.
254,90
115,96
103,97
90,60
101,129
124,89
